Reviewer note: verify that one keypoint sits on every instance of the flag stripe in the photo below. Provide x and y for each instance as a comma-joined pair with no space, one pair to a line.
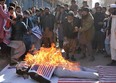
107,74
45,71
49,71
75,80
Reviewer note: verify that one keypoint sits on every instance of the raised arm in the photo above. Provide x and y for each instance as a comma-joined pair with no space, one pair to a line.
3,14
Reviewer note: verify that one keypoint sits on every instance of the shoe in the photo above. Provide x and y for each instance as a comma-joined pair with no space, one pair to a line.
73,58
91,58
113,63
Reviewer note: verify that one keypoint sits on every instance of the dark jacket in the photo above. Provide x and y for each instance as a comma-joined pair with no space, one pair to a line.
62,17
98,17
68,28
18,31
48,21
28,23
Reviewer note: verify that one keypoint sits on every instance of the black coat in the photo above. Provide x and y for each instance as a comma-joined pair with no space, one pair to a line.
68,28
48,21
98,17
18,31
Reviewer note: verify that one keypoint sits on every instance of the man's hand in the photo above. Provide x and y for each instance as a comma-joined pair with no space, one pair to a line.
76,29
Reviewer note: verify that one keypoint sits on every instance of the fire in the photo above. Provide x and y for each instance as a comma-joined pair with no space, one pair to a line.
51,56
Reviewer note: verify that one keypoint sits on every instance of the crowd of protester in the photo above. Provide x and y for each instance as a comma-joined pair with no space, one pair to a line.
74,28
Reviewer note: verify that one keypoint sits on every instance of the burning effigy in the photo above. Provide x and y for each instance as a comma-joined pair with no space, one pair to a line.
51,60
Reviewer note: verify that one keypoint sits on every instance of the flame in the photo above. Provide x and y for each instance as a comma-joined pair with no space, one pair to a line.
51,56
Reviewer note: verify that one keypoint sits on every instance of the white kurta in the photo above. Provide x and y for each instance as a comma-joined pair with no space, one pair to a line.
113,38
113,32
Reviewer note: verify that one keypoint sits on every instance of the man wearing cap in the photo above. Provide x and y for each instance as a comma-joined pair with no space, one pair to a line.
70,26
113,35
98,41
86,33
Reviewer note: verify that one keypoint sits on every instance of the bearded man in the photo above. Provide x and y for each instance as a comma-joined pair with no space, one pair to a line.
86,33
113,35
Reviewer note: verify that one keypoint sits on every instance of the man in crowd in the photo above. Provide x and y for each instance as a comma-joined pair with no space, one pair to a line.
113,36
17,45
48,19
70,34
86,33
4,16
98,42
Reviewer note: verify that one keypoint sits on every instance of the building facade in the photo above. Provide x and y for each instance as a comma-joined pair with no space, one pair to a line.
44,3
25,4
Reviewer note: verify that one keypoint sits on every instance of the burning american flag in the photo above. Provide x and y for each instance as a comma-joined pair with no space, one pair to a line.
45,71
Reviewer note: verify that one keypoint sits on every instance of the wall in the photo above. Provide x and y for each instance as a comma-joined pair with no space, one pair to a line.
25,4
42,3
